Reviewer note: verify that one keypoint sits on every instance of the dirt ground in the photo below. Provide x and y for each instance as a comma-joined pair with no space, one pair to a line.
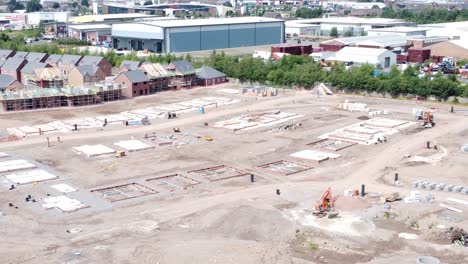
236,220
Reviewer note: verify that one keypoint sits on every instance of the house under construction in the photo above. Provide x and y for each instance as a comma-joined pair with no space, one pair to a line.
38,98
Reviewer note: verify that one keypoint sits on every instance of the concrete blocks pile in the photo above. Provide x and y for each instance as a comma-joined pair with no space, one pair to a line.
441,187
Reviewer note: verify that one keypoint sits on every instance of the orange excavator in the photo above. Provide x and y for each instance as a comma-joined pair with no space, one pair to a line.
325,206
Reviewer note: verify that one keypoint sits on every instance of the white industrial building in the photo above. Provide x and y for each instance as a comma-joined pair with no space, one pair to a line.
453,30
345,24
402,31
302,30
380,58
16,20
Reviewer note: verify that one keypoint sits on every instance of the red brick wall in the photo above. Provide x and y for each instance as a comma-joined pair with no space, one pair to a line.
331,47
133,90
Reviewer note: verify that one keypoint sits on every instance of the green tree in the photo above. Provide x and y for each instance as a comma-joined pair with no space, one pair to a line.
309,13
334,32
4,37
363,33
84,3
74,4
33,6
149,2
348,33
14,5
56,5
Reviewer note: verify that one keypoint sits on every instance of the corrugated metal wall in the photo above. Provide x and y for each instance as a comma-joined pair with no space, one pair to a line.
185,39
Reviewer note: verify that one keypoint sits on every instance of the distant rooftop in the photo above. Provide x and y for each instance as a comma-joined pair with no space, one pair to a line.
349,20
101,18
399,29
211,21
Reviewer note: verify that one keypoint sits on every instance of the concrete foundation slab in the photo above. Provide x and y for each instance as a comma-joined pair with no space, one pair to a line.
93,150
15,165
248,122
177,181
64,203
369,132
285,167
330,144
31,176
63,188
124,192
315,155
218,173
133,145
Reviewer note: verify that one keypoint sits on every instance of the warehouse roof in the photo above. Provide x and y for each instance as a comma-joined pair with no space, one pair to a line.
350,21
207,72
90,27
97,18
6,80
387,40
358,55
461,43
211,21
135,76
399,29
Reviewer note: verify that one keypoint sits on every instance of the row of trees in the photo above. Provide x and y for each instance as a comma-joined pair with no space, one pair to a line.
309,13
35,5
304,72
427,15
290,71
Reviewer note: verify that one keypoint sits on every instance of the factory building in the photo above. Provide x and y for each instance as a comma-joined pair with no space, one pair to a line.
355,25
197,34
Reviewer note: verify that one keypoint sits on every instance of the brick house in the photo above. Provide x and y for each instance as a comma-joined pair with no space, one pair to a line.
49,77
13,68
136,83
98,61
158,75
8,83
85,74
64,62
29,70
208,76
184,74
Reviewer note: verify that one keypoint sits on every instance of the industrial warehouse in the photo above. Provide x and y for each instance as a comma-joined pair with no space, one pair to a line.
201,34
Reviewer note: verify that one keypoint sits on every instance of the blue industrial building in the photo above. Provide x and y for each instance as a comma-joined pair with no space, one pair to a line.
170,36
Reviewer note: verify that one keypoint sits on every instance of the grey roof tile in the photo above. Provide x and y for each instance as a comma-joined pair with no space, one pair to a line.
207,72
136,76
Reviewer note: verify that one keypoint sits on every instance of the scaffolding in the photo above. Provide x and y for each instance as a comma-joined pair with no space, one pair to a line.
33,98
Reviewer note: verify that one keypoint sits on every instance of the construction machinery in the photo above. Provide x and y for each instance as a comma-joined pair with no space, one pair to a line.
426,116
325,206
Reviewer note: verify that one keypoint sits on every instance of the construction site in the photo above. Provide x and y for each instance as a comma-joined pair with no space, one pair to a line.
216,175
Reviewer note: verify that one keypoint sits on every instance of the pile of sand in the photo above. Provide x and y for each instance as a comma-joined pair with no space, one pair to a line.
244,222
